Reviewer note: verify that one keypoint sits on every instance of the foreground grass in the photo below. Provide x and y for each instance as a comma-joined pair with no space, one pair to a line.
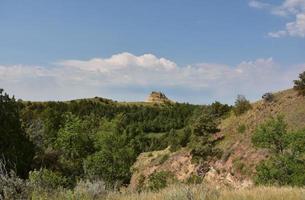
181,192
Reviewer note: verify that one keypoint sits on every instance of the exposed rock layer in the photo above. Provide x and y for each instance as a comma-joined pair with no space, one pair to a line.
157,97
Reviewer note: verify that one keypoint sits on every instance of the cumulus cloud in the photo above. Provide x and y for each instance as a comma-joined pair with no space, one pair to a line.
289,8
129,77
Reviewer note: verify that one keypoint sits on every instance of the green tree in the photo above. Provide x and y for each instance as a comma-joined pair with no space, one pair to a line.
15,147
242,105
299,85
286,164
113,158
74,144
272,135
201,142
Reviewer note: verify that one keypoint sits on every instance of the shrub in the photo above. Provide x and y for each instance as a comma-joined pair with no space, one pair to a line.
159,180
286,165
268,97
11,186
272,135
47,180
281,170
242,105
299,85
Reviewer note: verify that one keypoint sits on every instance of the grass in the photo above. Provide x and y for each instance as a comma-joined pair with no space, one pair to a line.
193,192
199,192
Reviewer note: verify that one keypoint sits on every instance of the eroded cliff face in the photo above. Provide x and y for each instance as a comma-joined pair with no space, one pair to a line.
157,97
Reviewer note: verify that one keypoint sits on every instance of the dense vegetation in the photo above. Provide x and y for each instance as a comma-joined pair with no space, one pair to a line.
15,148
286,164
61,143
92,143
98,139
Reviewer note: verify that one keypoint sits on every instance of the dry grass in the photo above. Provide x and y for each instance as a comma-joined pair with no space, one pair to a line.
199,192
185,192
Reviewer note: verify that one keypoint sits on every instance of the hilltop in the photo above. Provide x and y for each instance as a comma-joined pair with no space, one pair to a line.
157,97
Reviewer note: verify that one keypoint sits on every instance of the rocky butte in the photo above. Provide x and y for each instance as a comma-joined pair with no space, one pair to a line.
157,97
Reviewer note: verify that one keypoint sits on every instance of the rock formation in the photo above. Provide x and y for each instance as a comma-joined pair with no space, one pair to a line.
157,97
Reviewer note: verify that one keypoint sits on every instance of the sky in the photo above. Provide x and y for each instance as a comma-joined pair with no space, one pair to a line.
195,51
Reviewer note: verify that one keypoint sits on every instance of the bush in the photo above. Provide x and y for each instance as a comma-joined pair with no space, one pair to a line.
299,85
11,186
159,180
272,135
242,105
281,170
268,97
286,165
47,180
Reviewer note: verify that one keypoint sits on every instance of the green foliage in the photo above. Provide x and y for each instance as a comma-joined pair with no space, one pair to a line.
201,142
286,165
219,110
74,144
100,139
14,144
242,105
47,180
159,180
272,135
299,85
281,170
112,161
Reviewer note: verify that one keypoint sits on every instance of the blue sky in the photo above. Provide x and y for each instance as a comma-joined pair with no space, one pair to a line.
196,51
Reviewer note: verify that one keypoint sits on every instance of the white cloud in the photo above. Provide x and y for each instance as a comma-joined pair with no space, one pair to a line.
258,4
128,77
289,8
121,61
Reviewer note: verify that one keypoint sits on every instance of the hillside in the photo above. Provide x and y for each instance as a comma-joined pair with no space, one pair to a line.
239,158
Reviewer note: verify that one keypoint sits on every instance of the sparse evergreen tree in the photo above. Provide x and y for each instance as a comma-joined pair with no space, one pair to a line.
242,105
299,85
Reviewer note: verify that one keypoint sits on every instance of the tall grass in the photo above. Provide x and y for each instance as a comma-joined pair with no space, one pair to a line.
186,192
199,192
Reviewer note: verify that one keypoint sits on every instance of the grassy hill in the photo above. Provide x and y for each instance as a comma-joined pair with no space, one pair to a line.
240,157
